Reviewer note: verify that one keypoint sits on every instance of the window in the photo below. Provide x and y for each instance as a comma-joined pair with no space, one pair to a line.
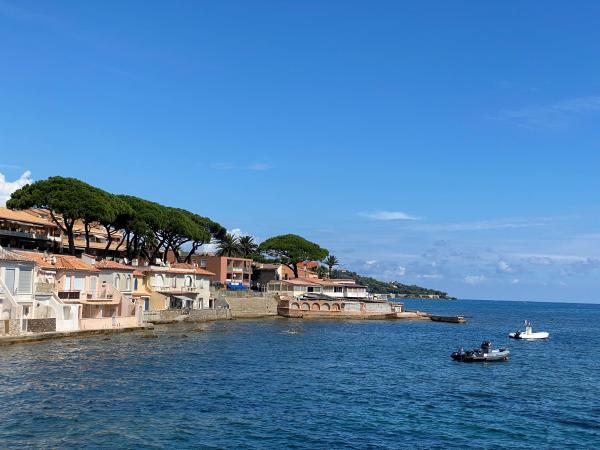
25,280
135,284
117,281
188,281
93,282
203,263
174,281
158,280
128,283
79,282
338,289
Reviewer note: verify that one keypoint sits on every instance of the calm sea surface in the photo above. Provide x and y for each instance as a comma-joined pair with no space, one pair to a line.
316,384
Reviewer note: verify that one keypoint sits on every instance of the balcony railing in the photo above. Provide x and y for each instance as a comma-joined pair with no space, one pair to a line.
69,295
27,234
175,289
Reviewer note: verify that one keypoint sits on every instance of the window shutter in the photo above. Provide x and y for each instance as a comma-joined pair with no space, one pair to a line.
25,276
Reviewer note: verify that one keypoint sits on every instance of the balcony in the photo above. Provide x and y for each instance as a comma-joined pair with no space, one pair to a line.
239,269
30,235
69,295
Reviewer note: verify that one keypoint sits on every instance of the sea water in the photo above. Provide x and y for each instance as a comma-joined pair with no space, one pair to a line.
280,383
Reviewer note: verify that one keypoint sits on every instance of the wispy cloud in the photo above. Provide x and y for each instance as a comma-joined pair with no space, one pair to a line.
474,279
8,187
255,167
388,215
481,225
21,14
552,115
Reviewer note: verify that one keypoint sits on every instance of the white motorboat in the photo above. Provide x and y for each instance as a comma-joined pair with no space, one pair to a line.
528,333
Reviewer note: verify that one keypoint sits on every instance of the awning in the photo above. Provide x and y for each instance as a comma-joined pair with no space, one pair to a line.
182,298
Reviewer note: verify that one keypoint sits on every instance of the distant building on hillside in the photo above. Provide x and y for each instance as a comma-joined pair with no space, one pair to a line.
34,229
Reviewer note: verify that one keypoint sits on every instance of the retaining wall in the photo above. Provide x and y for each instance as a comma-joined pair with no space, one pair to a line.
248,307
41,325
194,315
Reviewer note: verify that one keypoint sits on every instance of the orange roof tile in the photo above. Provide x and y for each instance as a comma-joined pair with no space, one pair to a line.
108,264
58,262
25,216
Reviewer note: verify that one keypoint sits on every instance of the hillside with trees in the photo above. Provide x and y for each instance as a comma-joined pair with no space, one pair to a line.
382,287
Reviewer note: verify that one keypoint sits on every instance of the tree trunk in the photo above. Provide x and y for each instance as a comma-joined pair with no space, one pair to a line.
86,227
156,251
195,245
109,234
118,246
295,269
70,237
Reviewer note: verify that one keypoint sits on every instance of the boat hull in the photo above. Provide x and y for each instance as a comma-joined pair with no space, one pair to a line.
530,336
494,356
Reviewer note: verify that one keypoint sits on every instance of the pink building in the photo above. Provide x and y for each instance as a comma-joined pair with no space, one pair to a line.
230,271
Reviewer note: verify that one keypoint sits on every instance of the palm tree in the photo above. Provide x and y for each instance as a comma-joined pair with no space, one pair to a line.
331,261
228,246
247,246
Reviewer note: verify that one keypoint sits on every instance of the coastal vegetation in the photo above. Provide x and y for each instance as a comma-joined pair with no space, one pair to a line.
383,287
331,261
143,228
291,249
147,228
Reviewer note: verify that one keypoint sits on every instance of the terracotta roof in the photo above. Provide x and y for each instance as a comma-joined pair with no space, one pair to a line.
308,264
7,255
58,262
138,273
114,265
26,216
298,281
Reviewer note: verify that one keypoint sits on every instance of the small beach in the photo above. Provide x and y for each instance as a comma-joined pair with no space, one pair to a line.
275,383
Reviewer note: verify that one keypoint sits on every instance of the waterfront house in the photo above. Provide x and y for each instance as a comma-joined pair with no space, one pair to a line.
174,286
16,292
231,272
331,288
81,299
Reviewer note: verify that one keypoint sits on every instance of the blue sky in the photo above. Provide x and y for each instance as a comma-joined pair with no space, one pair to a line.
450,144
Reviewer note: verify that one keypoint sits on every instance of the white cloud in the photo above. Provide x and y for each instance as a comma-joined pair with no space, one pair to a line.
371,262
503,266
8,187
515,281
431,276
474,279
388,215
400,271
481,225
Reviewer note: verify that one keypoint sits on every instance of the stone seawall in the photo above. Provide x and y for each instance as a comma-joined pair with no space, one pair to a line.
194,315
41,325
251,307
